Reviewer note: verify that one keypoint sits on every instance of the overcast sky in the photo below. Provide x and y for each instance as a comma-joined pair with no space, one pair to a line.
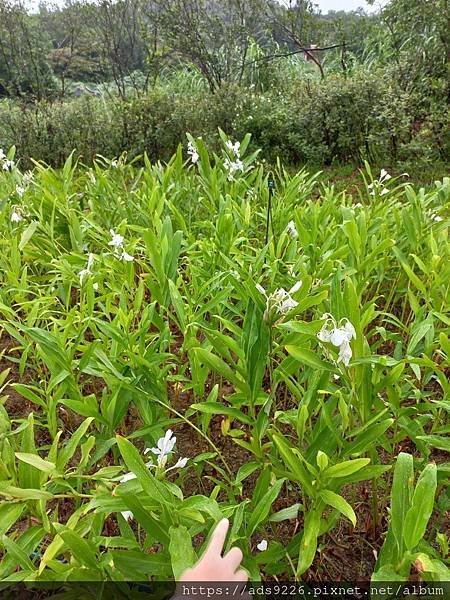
324,5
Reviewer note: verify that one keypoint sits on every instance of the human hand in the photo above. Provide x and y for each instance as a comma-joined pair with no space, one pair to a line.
212,566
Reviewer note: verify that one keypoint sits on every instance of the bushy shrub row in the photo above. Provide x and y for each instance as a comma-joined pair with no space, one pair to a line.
365,116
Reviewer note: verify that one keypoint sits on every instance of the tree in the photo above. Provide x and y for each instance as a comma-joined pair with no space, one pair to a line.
213,35
24,47
296,27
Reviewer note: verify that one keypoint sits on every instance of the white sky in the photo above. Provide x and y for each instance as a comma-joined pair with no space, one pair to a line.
324,5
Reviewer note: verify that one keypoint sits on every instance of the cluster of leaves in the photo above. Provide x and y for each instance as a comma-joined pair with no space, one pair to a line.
101,345
334,121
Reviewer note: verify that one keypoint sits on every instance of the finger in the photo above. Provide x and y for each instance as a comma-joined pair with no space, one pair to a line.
240,575
233,558
217,540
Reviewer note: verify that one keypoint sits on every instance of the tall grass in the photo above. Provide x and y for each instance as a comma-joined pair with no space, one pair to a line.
135,299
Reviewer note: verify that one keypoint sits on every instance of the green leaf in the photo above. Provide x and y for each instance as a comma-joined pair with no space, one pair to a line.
262,508
83,551
429,565
286,514
180,548
9,514
245,470
293,463
308,545
386,573
418,515
155,529
219,366
401,492
216,408
154,488
339,503
27,234
17,553
36,461
24,493
139,566
348,467
436,441
308,358
369,437
69,449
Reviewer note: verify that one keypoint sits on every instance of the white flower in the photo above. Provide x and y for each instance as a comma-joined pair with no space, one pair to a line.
233,166
114,163
291,229
235,148
95,286
193,152
280,300
345,353
180,464
20,190
2,154
88,270
16,217
378,184
127,515
287,305
295,287
164,447
117,239
384,176
126,257
339,334
127,477
27,177
262,545
7,164
438,219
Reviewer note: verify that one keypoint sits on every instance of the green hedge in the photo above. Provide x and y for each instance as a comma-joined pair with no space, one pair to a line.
365,116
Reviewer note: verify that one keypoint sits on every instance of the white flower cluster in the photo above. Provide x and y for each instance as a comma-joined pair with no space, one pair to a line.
193,153
88,270
378,185
5,162
27,178
339,334
236,165
292,229
165,446
16,215
117,241
233,166
280,301
234,148
436,218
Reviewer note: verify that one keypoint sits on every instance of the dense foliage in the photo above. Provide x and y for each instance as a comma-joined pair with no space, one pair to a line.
300,356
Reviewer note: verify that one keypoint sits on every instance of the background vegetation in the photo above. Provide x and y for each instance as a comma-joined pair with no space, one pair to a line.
136,75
